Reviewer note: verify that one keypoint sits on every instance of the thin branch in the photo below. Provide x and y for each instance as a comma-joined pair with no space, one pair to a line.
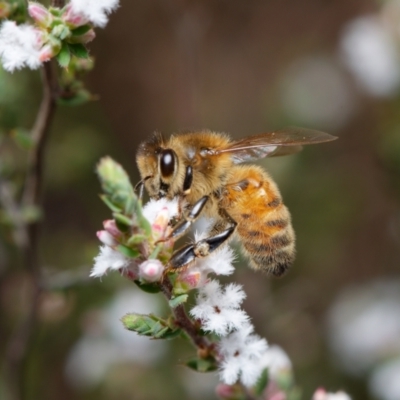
13,211
184,322
16,351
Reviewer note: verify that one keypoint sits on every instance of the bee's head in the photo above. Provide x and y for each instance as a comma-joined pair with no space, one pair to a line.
161,169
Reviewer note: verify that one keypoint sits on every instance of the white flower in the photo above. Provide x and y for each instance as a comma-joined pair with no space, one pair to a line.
276,360
321,394
218,308
371,53
95,11
241,352
19,46
219,262
153,208
108,258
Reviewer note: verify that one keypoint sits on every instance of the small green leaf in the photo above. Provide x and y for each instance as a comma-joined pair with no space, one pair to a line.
176,301
202,364
81,30
78,50
149,287
262,383
127,251
149,325
136,239
109,203
64,56
123,221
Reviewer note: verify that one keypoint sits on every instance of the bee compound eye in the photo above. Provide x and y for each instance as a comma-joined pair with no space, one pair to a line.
167,163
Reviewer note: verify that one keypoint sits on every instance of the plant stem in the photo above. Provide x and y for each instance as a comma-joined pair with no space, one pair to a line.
184,322
20,342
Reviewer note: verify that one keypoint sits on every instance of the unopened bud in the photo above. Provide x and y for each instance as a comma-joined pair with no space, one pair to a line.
40,14
228,392
151,270
46,53
190,279
85,38
106,238
72,19
111,227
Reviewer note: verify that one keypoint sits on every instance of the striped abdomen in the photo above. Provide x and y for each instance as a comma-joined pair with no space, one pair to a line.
263,222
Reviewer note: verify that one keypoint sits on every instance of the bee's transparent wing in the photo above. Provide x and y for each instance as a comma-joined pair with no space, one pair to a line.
277,143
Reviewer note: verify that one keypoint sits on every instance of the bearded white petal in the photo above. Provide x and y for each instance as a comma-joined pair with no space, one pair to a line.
96,11
19,46
108,259
152,208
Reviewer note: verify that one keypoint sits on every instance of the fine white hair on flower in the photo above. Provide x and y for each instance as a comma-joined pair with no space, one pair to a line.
241,354
95,11
154,207
19,46
108,258
218,308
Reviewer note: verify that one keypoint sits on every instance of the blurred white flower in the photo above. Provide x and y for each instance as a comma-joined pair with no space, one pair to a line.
95,11
276,360
384,383
19,46
108,259
371,54
364,325
322,394
218,308
241,353
106,342
315,91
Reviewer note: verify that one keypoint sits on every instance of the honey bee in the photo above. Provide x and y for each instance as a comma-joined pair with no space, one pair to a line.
205,170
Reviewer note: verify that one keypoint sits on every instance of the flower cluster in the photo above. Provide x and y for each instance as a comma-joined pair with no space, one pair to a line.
55,32
137,243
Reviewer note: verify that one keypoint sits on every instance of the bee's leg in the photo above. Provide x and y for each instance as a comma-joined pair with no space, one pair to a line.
182,226
140,187
187,254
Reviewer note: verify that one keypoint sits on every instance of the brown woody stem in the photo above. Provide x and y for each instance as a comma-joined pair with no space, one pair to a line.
20,342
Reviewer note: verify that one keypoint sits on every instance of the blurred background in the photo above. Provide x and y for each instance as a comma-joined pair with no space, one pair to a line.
241,67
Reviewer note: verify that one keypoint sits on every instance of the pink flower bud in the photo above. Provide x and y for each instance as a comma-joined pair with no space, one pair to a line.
106,238
226,391
111,227
72,19
320,394
85,38
277,396
46,53
151,270
40,14
190,279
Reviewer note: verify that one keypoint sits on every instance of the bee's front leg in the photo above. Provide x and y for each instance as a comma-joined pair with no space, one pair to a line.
182,258
182,226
